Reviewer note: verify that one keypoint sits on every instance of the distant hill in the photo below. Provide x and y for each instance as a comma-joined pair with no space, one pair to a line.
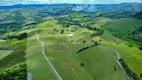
138,15
109,7
30,5
84,7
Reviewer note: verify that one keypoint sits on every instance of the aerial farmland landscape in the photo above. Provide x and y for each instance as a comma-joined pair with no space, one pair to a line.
71,40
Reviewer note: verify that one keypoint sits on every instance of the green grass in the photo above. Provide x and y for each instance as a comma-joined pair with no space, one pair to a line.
17,56
37,64
3,53
99,22
100,61
62,56
46,24
124,28
124,24
131,55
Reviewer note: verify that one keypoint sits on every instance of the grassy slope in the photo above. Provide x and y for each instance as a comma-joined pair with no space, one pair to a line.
61,56
69,63
12,66
3,53
16,57
132,56
100,61
63,60
124,28
36,62
124,25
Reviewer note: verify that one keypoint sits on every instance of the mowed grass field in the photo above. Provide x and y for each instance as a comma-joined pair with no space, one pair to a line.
131,55
36,62
69,60
99,61
61,53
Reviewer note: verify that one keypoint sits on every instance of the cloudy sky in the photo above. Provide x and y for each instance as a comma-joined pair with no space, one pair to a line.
10,2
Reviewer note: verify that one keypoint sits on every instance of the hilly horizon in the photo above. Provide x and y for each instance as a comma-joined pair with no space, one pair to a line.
71,41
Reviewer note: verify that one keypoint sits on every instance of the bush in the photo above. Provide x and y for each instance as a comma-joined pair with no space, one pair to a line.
81,64
17,56
19,37
140,48
62,31
84,41
95,44
141,75
18,72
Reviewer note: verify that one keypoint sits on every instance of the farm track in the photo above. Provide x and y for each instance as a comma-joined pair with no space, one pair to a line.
121,66
43,52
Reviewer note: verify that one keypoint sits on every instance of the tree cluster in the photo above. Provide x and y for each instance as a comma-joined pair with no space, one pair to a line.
19,37
15,73
128,70
85,48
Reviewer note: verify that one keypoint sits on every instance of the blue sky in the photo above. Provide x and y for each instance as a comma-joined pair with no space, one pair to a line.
10,2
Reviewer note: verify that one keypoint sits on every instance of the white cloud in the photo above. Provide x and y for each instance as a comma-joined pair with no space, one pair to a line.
9,2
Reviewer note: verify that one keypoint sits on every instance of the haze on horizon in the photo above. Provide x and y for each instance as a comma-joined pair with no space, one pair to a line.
12,2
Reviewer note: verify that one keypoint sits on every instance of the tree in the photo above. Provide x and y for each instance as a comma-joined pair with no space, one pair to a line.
140,48
84,41
95,28
62,31
141,75
81,64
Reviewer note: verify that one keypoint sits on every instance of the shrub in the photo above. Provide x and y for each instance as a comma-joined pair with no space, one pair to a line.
84,41
95,44
17,56
141,75
62,31
18,72
81,64
140,48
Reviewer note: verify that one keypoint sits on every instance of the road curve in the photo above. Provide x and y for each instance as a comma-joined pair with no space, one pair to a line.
124,71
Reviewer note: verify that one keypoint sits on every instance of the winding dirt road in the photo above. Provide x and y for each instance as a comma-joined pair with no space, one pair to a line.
123,69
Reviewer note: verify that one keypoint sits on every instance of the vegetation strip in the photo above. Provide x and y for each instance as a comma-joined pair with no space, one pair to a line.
95,44
122,67
128,70
43,52
125,71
